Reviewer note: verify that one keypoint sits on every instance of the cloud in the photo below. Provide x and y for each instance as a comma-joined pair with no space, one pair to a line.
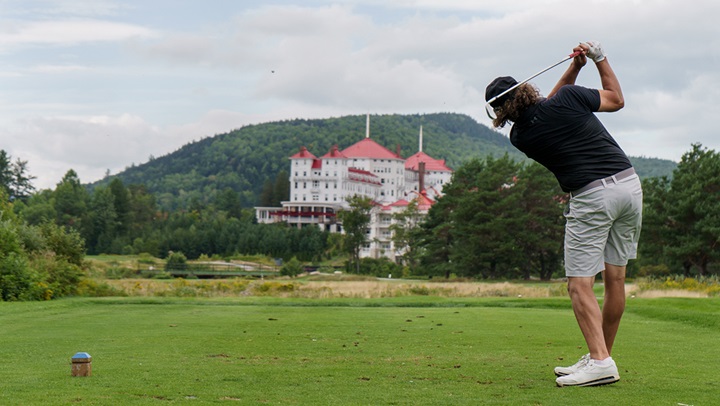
89,144
83,104
58,68
68,32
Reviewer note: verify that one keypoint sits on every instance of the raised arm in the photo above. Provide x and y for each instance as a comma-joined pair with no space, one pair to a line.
571,74
611,97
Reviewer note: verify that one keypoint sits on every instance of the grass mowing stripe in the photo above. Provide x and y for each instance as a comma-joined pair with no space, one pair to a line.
207,351
694,312
406,301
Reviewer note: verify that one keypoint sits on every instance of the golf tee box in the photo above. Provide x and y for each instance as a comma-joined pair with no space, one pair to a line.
81,364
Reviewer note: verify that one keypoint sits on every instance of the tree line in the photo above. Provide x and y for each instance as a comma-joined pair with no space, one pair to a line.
120,219
503,219
500,219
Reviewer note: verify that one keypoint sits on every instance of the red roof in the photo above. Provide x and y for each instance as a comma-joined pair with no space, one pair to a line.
334,153
368,148
317,164
423,201
371,177
362,172
303,154
431,164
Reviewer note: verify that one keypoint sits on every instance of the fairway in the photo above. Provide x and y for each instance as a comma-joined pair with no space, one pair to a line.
407,351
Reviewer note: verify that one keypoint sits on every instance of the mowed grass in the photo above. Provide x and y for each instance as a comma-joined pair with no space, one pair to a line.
392,351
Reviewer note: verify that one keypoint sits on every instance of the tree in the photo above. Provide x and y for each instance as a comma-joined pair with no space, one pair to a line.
437,240
542,222
176,261
282,188
229,201
121,205
292,268
655,231
143,209
355,222
71,201
406,232
486,219
14,177
38,208
5,172
267,196
497,219
21,186
693,210
102,227
36,262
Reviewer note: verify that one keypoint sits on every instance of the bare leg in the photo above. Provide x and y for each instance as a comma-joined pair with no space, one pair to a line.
614,303
588,315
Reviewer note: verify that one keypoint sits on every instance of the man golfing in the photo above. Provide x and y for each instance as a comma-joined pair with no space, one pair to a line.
603,219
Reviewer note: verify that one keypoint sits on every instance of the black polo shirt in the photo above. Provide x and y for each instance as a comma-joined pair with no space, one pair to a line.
563,134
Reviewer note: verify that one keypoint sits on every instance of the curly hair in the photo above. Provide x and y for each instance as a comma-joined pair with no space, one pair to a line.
523,97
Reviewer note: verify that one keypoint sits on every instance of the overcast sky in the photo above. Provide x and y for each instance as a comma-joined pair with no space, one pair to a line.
97,85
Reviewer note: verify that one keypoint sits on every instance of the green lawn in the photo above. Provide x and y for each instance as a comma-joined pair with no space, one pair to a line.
398,351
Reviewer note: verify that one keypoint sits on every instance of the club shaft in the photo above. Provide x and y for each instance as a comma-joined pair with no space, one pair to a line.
574,54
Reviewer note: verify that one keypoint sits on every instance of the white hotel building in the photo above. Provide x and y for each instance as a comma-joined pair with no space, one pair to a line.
320,187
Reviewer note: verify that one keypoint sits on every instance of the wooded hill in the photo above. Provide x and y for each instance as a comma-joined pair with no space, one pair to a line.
244,159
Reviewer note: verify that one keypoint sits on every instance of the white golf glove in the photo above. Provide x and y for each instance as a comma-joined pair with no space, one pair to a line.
595,51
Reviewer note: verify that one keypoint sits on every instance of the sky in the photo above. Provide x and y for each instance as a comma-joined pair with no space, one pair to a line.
100,85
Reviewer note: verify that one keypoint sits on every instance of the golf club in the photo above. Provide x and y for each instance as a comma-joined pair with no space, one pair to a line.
491,111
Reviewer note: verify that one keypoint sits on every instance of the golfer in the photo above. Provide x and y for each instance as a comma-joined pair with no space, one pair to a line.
562,133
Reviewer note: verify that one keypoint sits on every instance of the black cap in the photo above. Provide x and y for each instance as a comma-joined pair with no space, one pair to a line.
498,86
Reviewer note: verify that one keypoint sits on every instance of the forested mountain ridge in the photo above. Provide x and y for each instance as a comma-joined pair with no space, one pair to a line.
244,159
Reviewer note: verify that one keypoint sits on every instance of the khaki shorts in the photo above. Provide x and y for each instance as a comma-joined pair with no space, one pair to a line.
603,225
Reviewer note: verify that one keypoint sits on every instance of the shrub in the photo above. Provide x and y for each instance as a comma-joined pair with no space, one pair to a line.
58,274
16,279
145,258
9,240
120,272
91,288
176,260
380,267
66,244
266,288
654,270
292,268
39,262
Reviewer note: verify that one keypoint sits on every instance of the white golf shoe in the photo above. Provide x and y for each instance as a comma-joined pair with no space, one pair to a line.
591,374
562,371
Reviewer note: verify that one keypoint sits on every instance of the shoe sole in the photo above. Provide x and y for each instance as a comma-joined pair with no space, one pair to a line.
596,382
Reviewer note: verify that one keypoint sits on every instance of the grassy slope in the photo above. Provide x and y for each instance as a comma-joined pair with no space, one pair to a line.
401,351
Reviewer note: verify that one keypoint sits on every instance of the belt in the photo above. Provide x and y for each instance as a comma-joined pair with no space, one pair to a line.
602,182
